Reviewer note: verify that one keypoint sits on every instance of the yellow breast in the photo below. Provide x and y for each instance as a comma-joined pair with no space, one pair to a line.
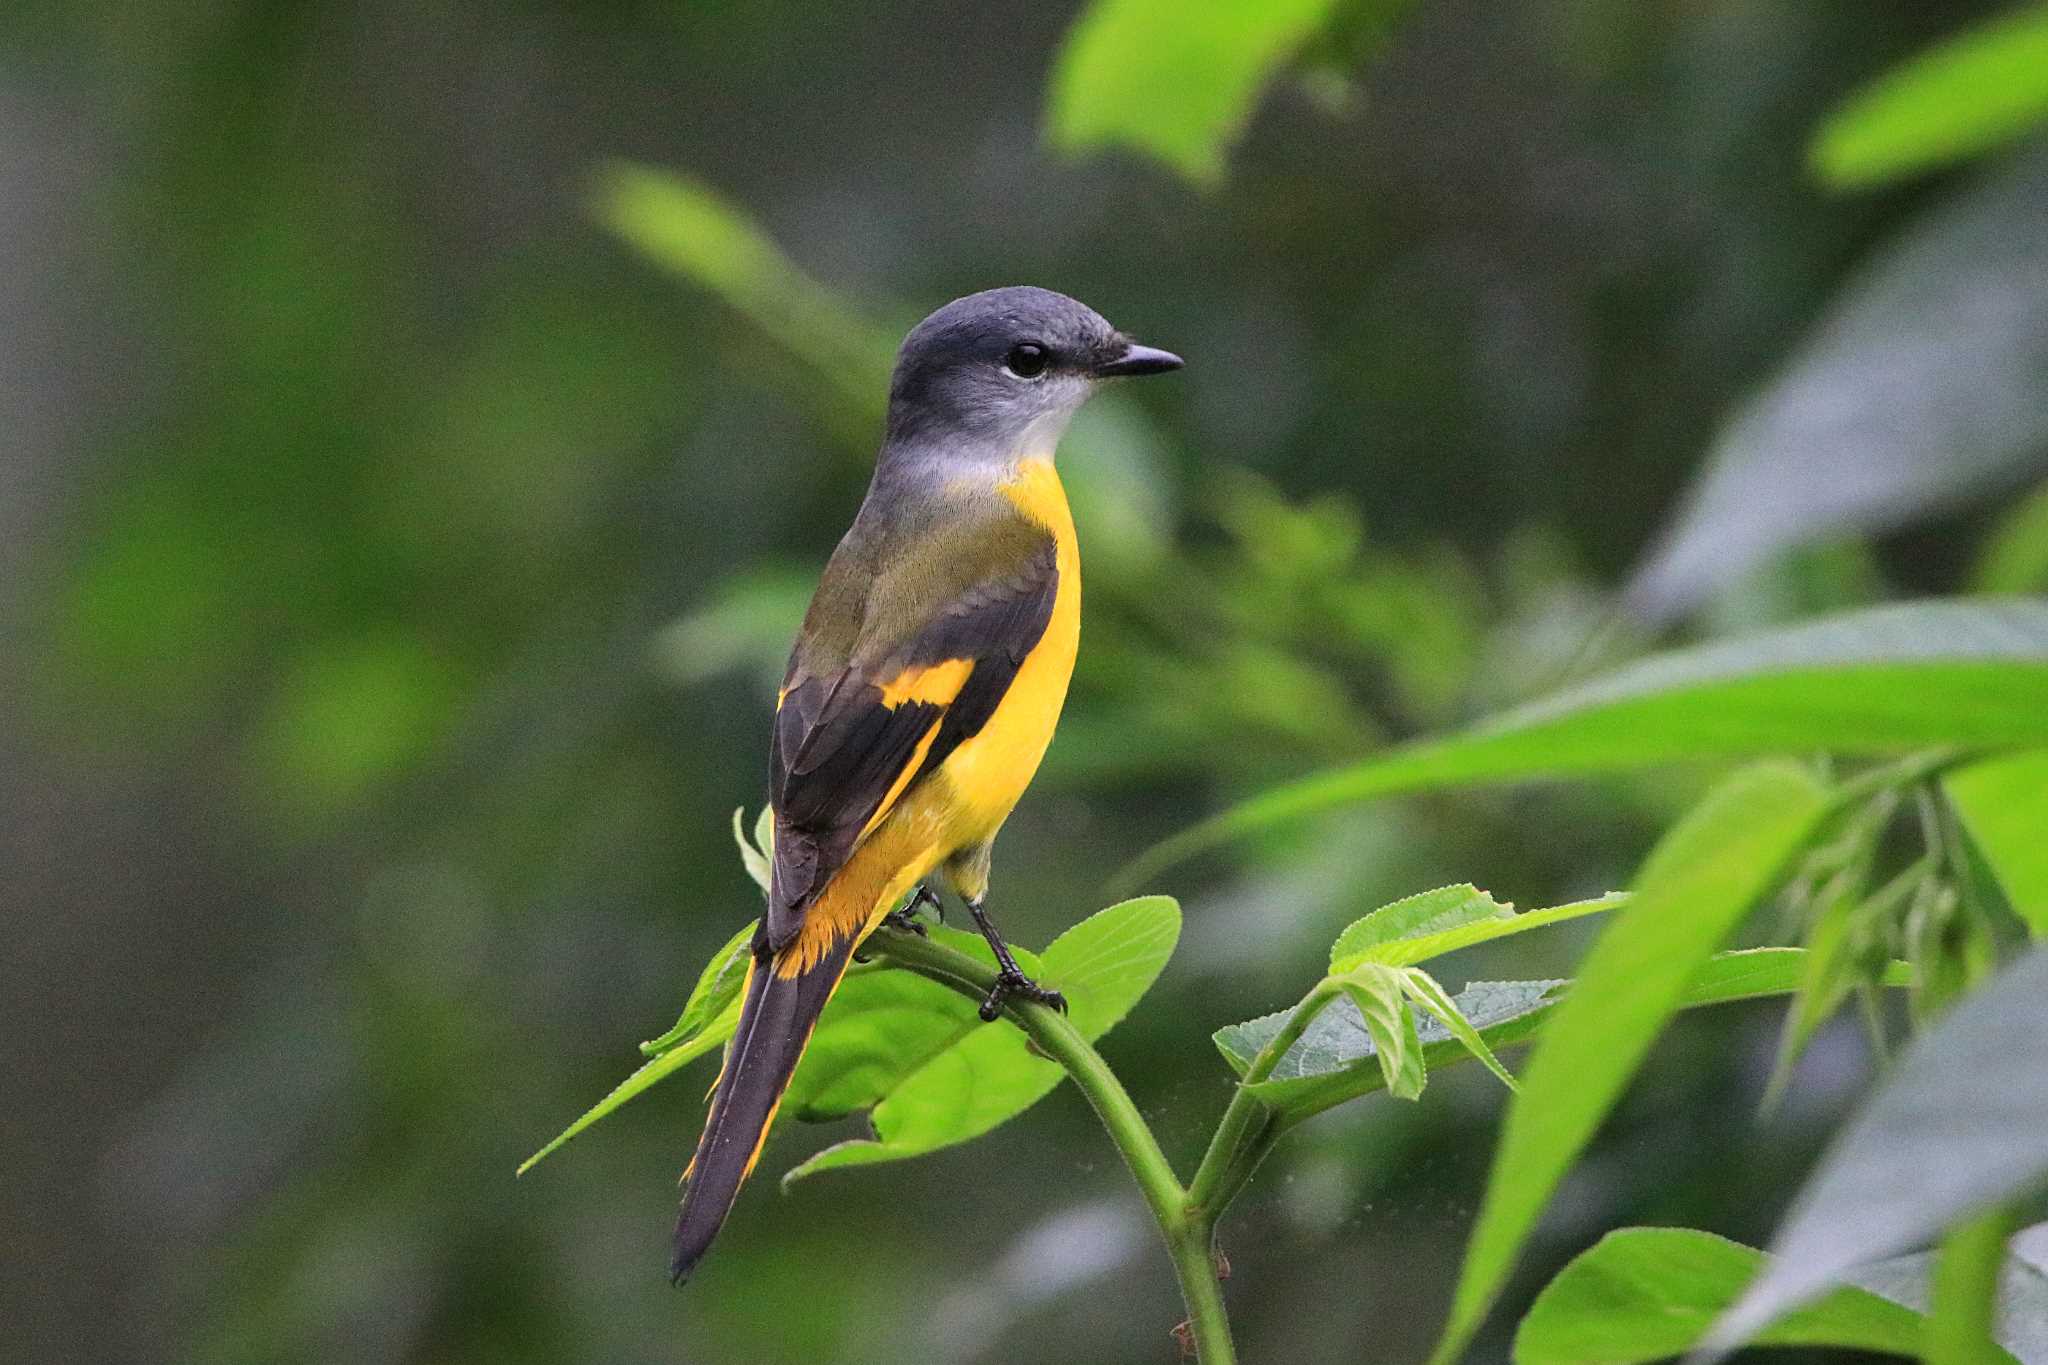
988,773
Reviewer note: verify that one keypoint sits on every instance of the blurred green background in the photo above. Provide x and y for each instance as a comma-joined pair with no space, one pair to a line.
422,424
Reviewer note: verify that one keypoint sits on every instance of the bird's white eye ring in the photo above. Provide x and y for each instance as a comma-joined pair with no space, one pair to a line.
1027,360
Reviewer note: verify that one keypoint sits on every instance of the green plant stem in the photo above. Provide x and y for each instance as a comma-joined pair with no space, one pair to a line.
1965,1291
1227,1164
1259,1139
1187,1236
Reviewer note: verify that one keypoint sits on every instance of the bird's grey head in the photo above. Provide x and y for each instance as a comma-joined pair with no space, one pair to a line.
999,373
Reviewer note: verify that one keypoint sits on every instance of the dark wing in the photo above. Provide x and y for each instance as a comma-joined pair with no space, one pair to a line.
849,744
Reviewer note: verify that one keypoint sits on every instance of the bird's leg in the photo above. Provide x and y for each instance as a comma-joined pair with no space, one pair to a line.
1010,979
905,917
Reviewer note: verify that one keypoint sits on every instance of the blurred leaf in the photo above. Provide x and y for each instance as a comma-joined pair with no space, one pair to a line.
1919,391
351,712
1375,992
2014,558
2004,806
153,618
1977,90
989,1075
718,989
1848,928
1116,466
1963,1291
1644,1294
1333,1060
1427,912
747,622
1949,949
1702,877
1175,81
2021,1323
1970,673
1831,972
1964,1111
684,226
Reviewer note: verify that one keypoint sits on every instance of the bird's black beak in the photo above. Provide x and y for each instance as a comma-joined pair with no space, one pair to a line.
1136,360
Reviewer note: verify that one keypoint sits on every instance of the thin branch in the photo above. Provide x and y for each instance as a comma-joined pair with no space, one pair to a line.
1187,1240
1247,1119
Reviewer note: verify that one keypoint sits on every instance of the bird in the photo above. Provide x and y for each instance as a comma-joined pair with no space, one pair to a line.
922,690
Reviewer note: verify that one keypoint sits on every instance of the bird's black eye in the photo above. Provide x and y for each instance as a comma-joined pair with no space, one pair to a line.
1027,360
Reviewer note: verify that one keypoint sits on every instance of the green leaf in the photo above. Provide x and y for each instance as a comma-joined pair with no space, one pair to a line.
1703,876
1977,90
686,227
1917,391
1644,1294
880,1027
716,993
1423,989
1175,81
754,853
986,1074
2004,807
1435,943
1884,679
1964,1110
1428,912
651,1073
1333,1060
708,1019
1376,993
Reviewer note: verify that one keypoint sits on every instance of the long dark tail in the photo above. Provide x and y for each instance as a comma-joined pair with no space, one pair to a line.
775,1024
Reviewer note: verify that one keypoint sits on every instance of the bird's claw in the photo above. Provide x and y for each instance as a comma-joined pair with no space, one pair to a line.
906,918
1024,988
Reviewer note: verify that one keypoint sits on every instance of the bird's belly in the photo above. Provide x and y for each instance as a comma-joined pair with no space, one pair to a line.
965,802
989,772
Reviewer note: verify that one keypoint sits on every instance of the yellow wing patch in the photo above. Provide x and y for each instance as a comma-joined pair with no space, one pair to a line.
937,683
924,746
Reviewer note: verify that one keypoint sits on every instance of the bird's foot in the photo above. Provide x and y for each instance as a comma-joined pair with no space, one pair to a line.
906,918
906,921
1014,983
